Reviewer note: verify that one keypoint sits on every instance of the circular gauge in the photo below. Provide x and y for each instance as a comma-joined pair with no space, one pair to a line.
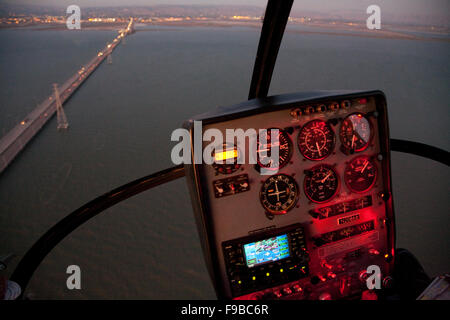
321,183
266,142
360,174
279,194
355,132
225,161
316,140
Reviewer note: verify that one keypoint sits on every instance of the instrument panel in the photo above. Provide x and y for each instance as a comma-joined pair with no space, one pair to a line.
310,229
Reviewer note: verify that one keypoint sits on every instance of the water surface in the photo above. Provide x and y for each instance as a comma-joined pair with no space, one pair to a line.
120,124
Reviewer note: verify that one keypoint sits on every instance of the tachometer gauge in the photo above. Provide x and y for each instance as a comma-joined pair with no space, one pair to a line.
321,183
284,153
360,174
355,132
279,194
316,140
225,161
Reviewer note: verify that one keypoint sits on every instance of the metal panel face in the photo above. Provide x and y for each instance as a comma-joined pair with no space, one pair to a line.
332,184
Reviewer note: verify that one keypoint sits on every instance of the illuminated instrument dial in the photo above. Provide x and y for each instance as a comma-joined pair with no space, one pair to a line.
225,161
265,145
321,183
355,132
316,140
360,174
279,194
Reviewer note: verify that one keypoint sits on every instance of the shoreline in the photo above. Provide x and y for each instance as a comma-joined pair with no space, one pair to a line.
321,29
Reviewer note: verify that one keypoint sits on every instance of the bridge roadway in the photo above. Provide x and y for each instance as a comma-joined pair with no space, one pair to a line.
17,138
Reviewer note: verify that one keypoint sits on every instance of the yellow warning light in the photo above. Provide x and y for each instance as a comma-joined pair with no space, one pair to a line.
227,154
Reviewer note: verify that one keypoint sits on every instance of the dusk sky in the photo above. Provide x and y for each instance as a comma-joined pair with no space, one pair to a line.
440,8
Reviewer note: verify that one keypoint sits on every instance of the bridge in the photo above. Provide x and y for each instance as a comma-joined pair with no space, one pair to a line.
17,138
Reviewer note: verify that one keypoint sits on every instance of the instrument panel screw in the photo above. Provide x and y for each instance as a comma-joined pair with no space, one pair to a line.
269,216
296,113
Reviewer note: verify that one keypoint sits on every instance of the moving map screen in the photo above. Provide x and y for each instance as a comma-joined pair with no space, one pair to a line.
267,250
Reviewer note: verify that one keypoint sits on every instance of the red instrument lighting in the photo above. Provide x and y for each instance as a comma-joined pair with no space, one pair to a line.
297,288
344,286
326,265
331,275
369,295
363,275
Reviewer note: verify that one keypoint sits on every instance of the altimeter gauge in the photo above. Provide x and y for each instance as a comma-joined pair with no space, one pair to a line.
316,140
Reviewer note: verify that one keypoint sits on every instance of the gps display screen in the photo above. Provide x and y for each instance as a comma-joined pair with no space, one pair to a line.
268,250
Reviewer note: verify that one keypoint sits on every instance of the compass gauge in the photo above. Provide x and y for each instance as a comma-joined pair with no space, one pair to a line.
279,194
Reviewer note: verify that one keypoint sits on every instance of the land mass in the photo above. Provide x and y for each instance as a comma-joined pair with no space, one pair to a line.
112,18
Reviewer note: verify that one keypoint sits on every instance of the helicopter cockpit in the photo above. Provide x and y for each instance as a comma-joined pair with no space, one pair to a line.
292,194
